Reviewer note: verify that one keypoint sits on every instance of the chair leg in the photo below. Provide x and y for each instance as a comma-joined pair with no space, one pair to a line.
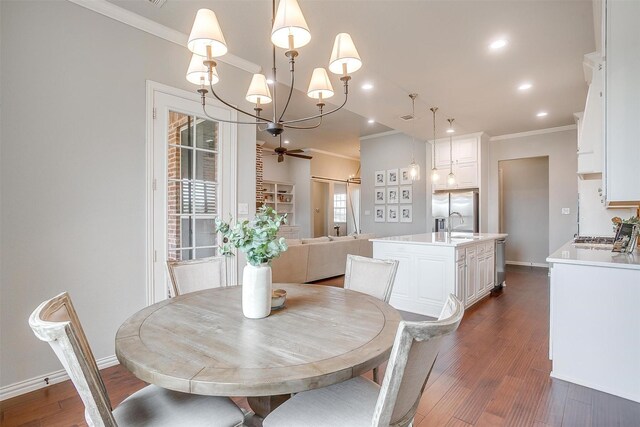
375,375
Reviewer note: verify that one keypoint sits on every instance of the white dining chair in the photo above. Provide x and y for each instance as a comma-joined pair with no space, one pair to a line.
56,322
197,274
371,276
359,402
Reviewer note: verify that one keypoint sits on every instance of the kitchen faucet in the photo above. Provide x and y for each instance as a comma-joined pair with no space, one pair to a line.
449,221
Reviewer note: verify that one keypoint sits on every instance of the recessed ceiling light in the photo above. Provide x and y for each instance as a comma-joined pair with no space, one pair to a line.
525,86
450,130
498,44
371,121
269,81
367,86
542,114
286,141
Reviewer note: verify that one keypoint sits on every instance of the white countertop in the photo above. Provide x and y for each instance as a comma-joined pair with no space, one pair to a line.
596,255
441,239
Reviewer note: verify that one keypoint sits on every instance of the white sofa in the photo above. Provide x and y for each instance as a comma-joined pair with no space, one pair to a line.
308,260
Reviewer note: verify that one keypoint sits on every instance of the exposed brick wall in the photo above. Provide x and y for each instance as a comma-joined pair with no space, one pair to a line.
174,196
259,176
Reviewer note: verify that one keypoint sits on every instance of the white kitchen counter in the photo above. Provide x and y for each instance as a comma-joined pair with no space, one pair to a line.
442,239
595,255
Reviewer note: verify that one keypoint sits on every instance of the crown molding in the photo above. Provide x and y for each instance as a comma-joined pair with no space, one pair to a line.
532,133
329,153
378,135
141,23
455,137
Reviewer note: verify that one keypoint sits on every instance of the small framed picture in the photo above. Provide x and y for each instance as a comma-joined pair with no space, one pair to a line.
380,196
379,179
379,214
392,213
406,194
405,177
406,213
392,195
626,238
392,177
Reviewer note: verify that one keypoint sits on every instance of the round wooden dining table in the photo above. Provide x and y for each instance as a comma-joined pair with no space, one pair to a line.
201,343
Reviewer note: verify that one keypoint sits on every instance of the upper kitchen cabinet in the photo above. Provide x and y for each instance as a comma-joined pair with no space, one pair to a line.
464,162
590,123
622,103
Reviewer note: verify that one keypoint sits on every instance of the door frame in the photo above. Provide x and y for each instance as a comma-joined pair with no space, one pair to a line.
156,172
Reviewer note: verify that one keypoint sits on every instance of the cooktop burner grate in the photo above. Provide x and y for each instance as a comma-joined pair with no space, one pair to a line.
594,240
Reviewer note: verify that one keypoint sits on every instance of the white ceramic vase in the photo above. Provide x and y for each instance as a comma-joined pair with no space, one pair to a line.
256,291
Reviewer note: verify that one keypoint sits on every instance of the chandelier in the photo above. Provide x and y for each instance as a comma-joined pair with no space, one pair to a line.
290,32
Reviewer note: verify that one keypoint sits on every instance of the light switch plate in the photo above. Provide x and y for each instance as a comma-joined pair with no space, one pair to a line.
566,211
243,208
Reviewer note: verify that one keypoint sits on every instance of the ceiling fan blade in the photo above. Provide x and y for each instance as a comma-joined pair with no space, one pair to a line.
280,158
296,151
300,156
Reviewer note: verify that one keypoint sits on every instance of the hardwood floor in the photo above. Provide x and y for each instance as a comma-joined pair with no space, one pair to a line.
493,372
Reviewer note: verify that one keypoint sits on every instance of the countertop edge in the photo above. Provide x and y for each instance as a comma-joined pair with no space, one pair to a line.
484,237
558,258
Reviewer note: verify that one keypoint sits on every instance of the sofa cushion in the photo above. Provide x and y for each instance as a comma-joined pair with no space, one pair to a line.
291,265
339,238
316,240
293,242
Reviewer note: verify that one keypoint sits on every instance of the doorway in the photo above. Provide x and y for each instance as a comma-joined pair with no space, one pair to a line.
524,209
320,207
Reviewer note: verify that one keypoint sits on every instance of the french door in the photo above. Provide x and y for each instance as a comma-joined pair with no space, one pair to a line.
192,180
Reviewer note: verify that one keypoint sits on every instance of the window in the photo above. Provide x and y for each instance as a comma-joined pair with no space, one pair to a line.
192,187
340,207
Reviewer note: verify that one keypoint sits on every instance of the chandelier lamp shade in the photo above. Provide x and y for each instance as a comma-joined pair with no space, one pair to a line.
290,32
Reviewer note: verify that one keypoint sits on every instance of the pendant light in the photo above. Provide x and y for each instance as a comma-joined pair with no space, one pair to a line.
451,179
414,168
435,177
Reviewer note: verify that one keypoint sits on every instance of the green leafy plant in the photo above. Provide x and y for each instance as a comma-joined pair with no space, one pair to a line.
257,238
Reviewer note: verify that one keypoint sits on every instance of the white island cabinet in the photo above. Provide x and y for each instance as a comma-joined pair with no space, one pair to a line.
595,323
434,265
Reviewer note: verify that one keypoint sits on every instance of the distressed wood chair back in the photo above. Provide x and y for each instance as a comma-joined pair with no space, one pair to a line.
197,274
371,276
56,322
412,358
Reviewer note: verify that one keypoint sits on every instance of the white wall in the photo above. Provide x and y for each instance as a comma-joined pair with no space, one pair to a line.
525,209
73,169
327,166
563,188
391,152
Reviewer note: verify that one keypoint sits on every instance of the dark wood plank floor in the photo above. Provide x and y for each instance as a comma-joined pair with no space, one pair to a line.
493,372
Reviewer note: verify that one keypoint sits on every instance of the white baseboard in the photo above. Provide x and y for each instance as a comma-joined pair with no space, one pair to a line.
22,387
528,264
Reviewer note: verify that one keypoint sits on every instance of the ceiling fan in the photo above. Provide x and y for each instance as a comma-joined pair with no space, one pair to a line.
281,151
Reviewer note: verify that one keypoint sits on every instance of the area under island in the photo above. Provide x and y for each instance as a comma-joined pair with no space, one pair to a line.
434,265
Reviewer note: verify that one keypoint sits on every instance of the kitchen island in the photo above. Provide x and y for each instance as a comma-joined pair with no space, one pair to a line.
594,336
434,265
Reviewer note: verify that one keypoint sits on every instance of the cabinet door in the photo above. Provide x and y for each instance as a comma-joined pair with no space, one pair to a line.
471,279
491,272
482,276
460,279
466,175
441,154
465,150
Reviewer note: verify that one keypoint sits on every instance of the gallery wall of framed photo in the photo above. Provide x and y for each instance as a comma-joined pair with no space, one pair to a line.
393,196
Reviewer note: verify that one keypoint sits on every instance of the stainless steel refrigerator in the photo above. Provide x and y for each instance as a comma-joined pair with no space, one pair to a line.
465,202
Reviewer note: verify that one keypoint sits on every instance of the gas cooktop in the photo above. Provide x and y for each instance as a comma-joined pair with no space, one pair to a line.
594,240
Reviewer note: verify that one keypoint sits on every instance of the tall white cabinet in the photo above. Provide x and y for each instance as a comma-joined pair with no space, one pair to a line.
622,103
